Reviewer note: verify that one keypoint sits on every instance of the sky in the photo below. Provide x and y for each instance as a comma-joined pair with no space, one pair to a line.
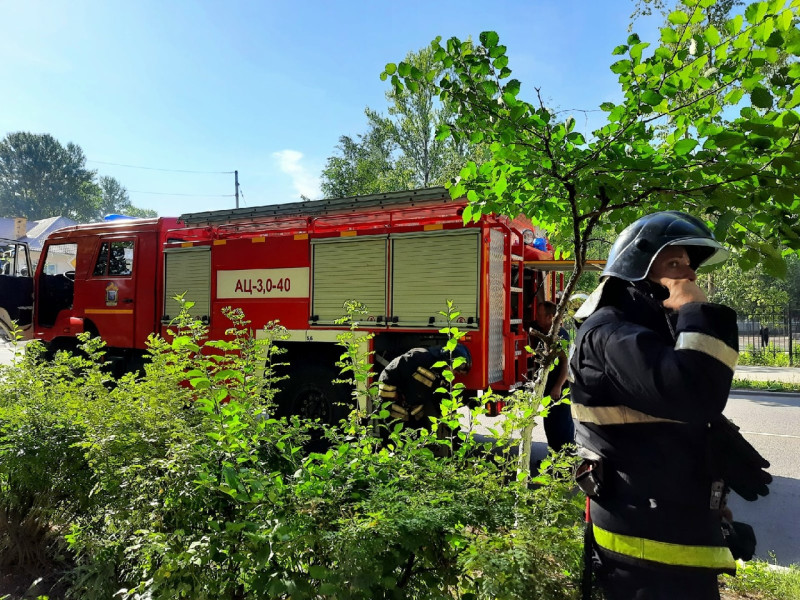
171,97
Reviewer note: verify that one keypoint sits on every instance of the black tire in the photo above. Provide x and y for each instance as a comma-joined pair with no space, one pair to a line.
310,393
57,344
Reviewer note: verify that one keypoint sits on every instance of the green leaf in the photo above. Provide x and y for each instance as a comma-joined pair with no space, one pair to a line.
728,139
711,35
775,40
723,224
734,96
683,147
636,51
734,25
793,42
774,263
622,66
784,20
669,35
230,477
511,88
390,69
500,186
318,572
761,97
497,51
466,215
576,138
788,119
500,62
678,17
607,106
755,12
619,50
489,39
200,383
226,374
652,97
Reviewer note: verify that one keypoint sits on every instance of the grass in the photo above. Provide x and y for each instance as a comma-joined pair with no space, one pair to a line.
762,580
766,386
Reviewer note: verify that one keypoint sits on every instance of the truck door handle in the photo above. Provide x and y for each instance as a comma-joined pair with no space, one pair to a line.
127,300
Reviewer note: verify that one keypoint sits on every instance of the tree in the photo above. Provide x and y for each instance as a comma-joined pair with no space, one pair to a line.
41,178
399,151
753,290
730,153
746,292
365,165
718,14
114,199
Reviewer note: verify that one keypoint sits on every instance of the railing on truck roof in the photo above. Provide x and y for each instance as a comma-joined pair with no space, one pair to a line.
311,208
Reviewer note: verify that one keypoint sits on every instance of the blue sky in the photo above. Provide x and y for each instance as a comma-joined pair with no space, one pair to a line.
262,87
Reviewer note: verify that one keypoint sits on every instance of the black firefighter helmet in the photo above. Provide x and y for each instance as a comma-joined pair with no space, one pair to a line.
640,242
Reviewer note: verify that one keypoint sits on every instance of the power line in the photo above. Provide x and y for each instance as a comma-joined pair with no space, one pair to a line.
100,162
190,195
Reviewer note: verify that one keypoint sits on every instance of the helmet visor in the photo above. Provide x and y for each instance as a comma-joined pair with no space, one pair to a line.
702,251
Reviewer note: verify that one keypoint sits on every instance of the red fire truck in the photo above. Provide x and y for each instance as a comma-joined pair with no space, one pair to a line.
402,255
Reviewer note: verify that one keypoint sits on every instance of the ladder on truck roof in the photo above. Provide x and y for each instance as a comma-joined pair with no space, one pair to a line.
331,206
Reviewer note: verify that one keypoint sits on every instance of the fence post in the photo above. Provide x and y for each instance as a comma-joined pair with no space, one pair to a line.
791,354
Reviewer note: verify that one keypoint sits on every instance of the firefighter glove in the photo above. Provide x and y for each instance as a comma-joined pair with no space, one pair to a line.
734,460
740,538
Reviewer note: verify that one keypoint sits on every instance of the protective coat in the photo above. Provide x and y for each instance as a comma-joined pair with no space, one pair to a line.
646,385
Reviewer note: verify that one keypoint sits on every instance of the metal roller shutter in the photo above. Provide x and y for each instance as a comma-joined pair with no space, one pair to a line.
188,270
429,269
348,269
497,304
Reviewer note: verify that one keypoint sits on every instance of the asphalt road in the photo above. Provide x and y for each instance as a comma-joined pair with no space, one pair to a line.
7,352
771,423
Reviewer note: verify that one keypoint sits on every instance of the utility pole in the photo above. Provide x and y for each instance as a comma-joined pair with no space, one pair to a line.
236,179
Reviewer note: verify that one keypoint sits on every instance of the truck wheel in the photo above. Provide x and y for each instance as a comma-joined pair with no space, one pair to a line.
310,393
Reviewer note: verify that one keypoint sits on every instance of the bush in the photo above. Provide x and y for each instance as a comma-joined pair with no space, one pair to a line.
167,490
45,479
763,580
766,357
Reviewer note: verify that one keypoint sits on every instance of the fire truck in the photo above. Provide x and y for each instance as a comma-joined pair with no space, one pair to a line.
402,255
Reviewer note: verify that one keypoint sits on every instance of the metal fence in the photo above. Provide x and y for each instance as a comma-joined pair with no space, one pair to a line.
771,330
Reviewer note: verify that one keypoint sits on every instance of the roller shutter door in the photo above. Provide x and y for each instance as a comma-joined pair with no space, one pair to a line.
188,271
429,269
497,304
348,269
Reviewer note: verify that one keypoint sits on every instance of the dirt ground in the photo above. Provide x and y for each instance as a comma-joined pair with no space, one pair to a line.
20,586
17,585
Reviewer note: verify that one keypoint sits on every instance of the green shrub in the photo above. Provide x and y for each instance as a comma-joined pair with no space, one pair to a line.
45,480
760,579
167,490
765,357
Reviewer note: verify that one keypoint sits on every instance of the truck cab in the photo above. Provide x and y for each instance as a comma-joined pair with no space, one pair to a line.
101,278
16,288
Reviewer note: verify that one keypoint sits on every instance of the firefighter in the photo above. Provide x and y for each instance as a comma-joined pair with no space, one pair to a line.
558,425
652,367
410,382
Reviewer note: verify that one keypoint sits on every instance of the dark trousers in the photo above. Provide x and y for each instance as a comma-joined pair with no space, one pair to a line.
620,581
559,427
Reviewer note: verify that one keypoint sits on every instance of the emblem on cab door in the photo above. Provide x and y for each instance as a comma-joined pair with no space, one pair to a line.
112,294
